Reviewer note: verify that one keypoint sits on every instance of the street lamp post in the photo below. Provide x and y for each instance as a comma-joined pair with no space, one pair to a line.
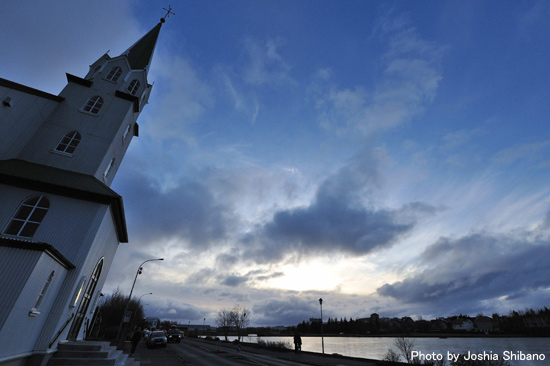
130,296
139,302
322,336
150,293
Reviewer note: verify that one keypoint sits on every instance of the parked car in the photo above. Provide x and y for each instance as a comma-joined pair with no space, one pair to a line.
174,335
156,339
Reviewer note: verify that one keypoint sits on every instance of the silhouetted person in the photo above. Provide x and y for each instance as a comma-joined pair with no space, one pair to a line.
297,342
135,340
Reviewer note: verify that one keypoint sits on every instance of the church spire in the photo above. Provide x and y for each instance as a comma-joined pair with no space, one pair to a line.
140,53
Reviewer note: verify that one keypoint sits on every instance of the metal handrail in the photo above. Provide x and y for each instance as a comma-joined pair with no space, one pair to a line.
61,331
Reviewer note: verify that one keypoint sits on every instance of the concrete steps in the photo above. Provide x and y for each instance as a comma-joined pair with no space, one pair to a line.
86,353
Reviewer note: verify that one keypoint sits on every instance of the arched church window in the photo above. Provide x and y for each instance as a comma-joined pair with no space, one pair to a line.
133,87
85,302
114,74
68,143
93,105
28,217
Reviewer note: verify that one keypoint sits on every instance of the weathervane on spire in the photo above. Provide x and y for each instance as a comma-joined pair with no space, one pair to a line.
168,12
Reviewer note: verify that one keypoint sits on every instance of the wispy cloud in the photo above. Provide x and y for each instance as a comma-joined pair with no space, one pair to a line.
245,102
526,152
184,99
265,64
456,139
410,77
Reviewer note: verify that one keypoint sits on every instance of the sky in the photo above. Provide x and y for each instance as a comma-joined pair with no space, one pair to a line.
389,157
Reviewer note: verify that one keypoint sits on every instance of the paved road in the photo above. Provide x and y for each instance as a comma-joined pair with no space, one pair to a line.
191,352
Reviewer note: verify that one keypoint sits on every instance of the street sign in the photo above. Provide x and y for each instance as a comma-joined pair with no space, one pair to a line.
127,317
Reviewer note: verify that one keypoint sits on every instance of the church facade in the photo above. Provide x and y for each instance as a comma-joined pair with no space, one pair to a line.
60,223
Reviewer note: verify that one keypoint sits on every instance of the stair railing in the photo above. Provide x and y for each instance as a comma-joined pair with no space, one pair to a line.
61,330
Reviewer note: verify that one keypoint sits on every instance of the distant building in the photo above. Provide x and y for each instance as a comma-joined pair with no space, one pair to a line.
60,223
463,324
407,323
484,324
439,324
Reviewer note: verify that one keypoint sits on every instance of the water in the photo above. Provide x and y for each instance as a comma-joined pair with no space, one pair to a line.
377,347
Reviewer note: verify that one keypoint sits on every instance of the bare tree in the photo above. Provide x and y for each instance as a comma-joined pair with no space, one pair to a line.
405,346
392,356
241,317
224,320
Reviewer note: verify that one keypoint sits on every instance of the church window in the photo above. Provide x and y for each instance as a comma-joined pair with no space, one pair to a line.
78,292
109,167
42,293
133,87
114,74
126,132
68,143
93,105
28,217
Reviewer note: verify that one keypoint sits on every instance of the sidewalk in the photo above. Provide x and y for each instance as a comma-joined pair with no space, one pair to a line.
303,357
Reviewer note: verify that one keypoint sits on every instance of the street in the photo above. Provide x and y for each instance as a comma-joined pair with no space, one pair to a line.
194,352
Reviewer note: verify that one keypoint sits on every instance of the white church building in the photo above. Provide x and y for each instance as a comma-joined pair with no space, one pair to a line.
60,223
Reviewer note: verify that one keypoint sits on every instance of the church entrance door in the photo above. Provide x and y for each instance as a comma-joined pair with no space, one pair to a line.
85,303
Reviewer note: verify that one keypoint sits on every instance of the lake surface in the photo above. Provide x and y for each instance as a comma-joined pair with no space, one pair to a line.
377,347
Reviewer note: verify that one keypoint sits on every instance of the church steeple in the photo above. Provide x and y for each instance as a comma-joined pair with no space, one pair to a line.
90,130
140,54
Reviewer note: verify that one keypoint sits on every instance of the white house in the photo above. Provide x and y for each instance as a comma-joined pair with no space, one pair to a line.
463,324
60,223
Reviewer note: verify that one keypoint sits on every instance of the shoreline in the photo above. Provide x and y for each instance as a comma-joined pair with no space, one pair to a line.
306,357
419,335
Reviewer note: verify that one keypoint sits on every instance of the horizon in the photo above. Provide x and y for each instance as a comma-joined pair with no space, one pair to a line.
379,155
340,318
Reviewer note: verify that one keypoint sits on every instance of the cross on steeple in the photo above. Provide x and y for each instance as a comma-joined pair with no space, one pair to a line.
168,12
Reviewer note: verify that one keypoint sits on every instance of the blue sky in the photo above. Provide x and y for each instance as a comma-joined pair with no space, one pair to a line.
389,157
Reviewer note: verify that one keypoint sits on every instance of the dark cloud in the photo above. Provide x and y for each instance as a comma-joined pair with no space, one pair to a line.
465,274
189,212
340,219
292,309
202,276
233,280
176,310
226,260
331,224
